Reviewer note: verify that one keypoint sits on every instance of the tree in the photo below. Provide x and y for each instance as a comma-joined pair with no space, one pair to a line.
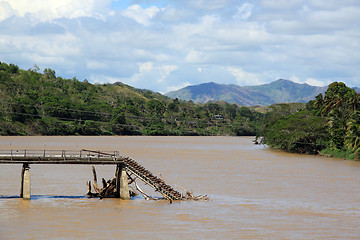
230,110
316,105
352,139
118,116
338,105
49,74
35,68
336,99
13,68
156,107
299,132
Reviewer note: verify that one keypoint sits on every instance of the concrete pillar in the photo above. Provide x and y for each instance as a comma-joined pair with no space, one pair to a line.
122,186
25,191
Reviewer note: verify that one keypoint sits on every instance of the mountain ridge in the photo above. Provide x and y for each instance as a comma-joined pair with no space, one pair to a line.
279,91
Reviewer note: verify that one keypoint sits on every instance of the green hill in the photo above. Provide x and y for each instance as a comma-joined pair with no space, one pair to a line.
33,103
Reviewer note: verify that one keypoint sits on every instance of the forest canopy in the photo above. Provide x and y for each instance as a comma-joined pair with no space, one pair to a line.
33,103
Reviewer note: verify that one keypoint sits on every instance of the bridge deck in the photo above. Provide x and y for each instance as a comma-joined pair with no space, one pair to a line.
59,157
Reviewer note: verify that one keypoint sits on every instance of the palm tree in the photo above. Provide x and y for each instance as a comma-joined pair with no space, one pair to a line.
352,139
353,100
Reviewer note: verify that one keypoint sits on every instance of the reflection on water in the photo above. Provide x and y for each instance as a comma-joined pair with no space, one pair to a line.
256,193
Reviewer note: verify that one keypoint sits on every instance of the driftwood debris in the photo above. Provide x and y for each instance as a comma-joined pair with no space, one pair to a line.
190,196
109,189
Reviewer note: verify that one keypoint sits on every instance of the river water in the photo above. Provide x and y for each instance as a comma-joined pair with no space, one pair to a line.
255,192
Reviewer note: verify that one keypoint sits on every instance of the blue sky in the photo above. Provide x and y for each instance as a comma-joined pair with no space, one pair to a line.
165,45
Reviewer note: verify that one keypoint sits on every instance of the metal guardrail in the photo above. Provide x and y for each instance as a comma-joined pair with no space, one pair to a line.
59,157
58,153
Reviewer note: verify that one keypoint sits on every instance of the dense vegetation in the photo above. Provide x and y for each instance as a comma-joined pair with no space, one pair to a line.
328,125
33,103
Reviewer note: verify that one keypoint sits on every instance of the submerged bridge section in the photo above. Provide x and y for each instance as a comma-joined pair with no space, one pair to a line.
27,157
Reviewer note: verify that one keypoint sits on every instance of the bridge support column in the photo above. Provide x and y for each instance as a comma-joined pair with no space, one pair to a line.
25,191
122,186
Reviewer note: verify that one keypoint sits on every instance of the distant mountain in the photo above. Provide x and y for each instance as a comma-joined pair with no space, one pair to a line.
284,91
207,92
280,91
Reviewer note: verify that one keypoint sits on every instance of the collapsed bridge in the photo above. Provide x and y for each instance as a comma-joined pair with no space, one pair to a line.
125,167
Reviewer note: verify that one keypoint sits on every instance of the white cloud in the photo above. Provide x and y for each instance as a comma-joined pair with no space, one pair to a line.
280,4
244,35
244,11
48,10
332,4
310,81
101,79
242,77
53,50
6,10
172,15
177,87
315,82
194,38
295,79
150,75
165,70
335,19
145,67
140,15
208,4
162,44
96,65
194,56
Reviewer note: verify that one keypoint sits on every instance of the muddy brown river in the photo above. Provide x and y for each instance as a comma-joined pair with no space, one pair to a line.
255,192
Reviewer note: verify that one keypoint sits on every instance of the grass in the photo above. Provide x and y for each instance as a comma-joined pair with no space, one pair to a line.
339,153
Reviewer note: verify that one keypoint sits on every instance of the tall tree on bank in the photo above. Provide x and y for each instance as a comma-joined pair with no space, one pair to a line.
334,122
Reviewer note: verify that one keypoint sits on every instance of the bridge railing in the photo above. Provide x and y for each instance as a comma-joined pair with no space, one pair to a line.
58,153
